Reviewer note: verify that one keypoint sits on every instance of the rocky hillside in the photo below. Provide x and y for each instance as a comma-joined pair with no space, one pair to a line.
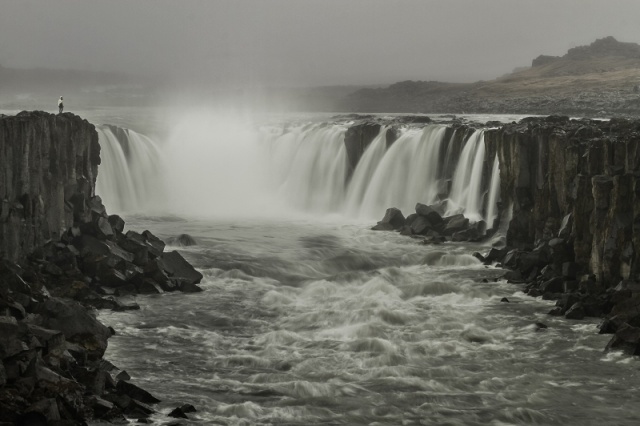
601,79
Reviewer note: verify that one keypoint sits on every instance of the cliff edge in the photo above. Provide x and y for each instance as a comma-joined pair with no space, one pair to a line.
61,255
48,169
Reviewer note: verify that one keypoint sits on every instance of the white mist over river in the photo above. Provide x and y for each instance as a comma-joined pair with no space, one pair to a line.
310,318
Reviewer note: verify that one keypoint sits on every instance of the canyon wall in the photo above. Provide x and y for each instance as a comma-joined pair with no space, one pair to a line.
48,169
577,180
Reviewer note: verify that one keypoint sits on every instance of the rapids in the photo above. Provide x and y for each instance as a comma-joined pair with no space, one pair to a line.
310,318
305,323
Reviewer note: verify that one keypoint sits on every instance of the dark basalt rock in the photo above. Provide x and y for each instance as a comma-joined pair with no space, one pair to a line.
136,392
430,213
76,323
178,268
393,220
72,256
182,240
454,224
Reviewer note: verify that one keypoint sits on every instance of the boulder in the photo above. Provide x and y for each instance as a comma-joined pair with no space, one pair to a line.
136,392
430,213
554,285
103,229
454,224
393,220
76,323
626,338
156,245
177,267
576,311
420,225
182,240
117,223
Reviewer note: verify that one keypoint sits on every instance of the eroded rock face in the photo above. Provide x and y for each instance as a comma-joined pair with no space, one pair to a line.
60,252
48,168
574,179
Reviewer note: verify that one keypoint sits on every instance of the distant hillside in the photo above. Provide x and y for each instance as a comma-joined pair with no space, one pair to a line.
601,78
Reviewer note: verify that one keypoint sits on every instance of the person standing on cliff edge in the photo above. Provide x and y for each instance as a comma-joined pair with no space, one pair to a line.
60,105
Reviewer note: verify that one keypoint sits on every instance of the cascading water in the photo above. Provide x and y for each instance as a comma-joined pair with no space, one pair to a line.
226,167
130,170
308,167
407,173
466,196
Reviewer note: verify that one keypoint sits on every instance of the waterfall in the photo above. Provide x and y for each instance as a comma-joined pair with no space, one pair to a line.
406,174
129,174
309,168
218,166
466,195
364,171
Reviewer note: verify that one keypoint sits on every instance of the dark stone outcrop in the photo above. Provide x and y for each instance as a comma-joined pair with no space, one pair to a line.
48,169
62,255
574,191
393,220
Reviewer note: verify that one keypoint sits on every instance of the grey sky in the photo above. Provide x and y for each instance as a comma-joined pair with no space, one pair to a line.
305,42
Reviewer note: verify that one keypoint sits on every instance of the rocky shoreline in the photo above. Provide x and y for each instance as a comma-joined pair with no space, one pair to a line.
63,257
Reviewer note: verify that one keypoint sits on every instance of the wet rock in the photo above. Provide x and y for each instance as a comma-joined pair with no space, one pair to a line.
103,229
554,285
576,311
420,225
178,413
540,326
504,300
393,220
178,268
495,255
149,286
138,409
189,287
117,223
454,224
136,392
155,244
182,240
430,213
77,325
626,338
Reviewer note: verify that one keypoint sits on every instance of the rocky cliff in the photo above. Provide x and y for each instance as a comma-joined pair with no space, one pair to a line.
571,195
577,180
48,168
61,255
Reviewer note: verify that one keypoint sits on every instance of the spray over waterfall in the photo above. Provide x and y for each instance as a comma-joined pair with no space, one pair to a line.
215,168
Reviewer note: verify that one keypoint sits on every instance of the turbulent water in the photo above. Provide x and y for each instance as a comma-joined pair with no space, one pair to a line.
310,318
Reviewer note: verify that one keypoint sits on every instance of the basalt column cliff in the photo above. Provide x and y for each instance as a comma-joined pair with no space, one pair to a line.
61,255
574,190
48,168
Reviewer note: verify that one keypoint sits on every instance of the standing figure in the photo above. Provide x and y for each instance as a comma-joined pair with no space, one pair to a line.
60,105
